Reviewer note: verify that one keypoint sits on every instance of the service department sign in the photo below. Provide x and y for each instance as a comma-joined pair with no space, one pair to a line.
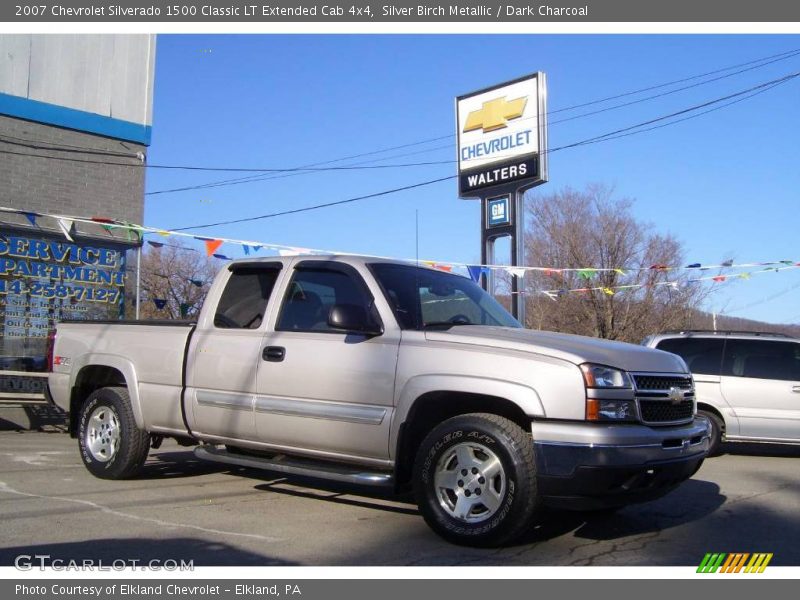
502,136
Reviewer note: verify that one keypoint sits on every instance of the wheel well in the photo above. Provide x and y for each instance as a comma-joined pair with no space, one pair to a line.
90,379
435,407
711,409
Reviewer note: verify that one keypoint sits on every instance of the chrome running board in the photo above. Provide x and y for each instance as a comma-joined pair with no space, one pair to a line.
297,466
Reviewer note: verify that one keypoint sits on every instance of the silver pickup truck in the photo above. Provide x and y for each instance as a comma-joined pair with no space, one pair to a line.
378,372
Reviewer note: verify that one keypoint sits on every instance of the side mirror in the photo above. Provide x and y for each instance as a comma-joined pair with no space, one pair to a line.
352,318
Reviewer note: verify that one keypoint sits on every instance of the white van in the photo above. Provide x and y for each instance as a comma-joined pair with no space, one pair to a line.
747,384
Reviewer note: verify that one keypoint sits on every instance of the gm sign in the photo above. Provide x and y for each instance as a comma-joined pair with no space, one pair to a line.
502,136
498,212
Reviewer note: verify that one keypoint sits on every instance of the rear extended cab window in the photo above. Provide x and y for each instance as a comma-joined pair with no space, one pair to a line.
244,300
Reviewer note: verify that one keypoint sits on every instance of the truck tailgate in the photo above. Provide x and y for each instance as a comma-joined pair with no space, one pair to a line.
149,353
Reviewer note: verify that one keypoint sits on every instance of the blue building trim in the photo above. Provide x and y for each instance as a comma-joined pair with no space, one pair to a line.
70,118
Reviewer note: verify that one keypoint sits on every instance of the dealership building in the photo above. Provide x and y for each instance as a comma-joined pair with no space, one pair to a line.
75,125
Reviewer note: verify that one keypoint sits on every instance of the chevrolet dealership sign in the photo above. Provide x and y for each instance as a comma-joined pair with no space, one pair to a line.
502,136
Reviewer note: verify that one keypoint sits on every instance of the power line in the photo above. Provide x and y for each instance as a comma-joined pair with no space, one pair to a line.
626,131
287,170
615,134
44,145
300,171
675,91
325,205
669,83
761,62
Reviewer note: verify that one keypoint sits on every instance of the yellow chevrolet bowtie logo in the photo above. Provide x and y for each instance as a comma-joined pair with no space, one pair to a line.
495,114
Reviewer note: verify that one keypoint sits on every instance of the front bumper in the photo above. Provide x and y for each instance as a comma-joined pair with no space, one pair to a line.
588,465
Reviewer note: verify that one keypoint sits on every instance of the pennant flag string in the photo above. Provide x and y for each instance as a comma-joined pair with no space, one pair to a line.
66,224
673,284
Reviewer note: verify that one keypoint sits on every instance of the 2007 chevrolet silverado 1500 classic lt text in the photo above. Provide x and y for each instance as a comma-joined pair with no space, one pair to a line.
380,372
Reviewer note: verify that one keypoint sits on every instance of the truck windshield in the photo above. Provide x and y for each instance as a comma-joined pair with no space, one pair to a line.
424,298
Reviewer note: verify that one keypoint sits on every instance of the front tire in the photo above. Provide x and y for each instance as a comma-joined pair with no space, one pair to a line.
112,445
475,480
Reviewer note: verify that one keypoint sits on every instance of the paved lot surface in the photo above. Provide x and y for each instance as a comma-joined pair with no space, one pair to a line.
747,500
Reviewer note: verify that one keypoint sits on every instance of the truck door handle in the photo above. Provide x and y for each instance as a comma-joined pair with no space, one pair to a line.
274,353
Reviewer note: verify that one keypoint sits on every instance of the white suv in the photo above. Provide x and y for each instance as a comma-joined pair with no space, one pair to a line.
747,384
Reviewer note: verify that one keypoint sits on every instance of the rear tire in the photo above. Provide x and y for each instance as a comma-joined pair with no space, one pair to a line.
112,445
717,427
475,480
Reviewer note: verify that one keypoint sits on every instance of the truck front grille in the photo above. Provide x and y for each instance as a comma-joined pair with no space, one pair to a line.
662,382
655,394
664,411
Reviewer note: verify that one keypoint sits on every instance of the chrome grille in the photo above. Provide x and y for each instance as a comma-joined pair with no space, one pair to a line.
653,396
664,411
662,382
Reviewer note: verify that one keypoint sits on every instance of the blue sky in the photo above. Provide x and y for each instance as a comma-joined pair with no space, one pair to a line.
726,184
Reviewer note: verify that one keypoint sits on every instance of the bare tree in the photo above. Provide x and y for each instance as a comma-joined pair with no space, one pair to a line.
591,229
176,277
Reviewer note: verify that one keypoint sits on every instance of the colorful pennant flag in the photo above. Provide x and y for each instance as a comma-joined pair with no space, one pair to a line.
184,309
694,266
66,226
246,249
719,278
155,244
475,272
727,263
196,282
516,271
31,216
221,257
257,248
160,303
211,246
586,273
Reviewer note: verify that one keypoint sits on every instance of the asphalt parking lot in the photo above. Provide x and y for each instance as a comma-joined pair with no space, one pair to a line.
744,501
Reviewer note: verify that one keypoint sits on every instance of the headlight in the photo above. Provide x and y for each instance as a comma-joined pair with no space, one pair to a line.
610,410
600,376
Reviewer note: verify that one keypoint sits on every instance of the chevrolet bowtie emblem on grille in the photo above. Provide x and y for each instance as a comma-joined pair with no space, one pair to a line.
495,114
676,395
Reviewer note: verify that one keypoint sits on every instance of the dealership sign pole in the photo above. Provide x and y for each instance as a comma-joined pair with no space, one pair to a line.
502,152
